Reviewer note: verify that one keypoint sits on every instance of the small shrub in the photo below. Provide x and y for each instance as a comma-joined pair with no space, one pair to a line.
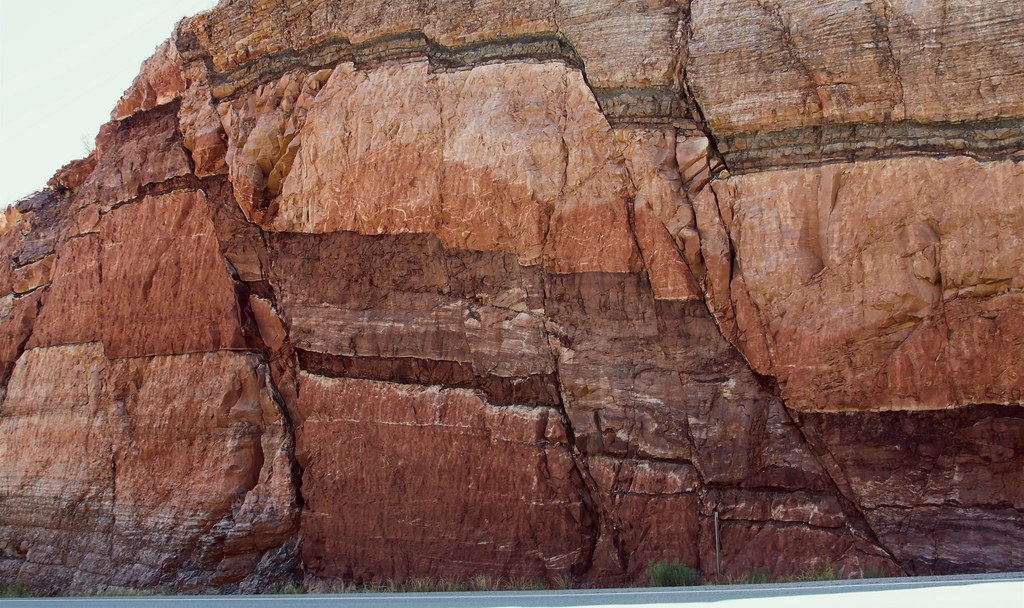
15,589
672,574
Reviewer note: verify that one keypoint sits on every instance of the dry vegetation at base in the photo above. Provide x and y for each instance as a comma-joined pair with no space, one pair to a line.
660,574
15,589
432,585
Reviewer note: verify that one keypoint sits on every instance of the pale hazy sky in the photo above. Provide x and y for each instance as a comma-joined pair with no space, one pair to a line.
63,66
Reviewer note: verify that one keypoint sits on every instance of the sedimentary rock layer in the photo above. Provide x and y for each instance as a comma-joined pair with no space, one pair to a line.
362,292
633,46
940,488
823,81
514,502
123,494
885,285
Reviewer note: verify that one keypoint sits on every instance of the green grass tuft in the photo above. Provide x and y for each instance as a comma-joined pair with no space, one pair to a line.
672,574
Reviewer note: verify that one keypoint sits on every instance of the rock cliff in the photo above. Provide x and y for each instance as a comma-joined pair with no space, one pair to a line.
365,291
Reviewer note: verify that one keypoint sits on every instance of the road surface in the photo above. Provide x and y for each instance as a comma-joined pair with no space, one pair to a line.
972,591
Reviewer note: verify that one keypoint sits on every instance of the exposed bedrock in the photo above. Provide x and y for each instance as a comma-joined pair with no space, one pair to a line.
835,80
107,474
365,292
882,285
941,489
656,420
145,442
436,483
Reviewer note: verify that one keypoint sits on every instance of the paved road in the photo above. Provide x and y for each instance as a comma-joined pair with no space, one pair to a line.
934,592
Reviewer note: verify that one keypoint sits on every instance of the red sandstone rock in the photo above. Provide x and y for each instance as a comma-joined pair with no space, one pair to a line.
141,293
340,298
480,170
131,155
670,277
201,130
241,242
17,316
551,284
512,494
799,63
159,82
927,481
660,175
863,280
133,476
11,240
282,359
29,235
74,174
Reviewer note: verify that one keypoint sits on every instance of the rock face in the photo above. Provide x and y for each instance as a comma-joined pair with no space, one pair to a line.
363,293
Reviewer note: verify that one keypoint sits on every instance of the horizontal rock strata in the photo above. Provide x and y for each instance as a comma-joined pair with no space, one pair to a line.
513,498
940,488
106,504
362,293
827,81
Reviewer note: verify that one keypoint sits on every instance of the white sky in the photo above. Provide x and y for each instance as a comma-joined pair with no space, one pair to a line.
63,66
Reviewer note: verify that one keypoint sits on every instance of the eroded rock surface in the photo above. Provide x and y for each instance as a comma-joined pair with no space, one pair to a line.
357,293
883,285
123,495
515,494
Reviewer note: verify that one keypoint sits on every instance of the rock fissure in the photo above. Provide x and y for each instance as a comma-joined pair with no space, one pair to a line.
716,161
883,19
842,490
593,517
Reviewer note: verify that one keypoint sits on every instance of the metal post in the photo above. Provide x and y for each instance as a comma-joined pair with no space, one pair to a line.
718,553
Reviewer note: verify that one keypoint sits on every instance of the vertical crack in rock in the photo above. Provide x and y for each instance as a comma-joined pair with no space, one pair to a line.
277,364
882,15
923,493
716,161
389,329
586,486
856,521
773,9
31,233
244,248
15,332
